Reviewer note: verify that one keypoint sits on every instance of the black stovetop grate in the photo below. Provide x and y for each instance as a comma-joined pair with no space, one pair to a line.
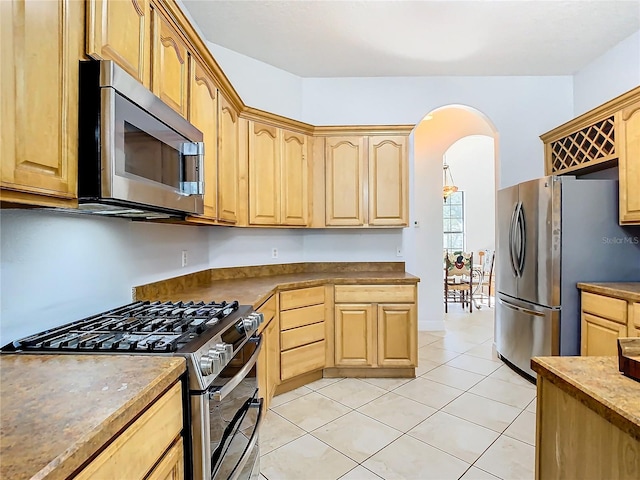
140,327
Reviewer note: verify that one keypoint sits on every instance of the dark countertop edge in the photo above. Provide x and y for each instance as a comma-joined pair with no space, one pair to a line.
74,458
591,400
611,289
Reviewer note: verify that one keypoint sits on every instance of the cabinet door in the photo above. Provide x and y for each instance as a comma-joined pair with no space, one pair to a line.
354,335
171,467
121,31
633,329
397,335
388,178
203,114
344,181
600,335
295,189
272,335
227,162
170,68
41,44
629,165
264,174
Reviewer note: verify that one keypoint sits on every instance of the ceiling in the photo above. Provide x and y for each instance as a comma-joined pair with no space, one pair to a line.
372,38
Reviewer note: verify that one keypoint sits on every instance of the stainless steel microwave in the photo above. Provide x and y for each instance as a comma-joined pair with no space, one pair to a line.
137,157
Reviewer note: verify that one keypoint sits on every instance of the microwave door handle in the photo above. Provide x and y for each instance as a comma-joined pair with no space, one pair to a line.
220,394
192,156
235,474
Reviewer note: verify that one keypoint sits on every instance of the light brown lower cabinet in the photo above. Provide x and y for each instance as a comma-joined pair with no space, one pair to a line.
371,334
150,448
604,319
269,359
574,442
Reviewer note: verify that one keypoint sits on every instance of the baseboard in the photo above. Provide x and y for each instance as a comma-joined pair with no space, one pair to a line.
431,325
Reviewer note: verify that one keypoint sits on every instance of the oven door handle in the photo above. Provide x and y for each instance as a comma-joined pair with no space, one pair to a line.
235,474
222,392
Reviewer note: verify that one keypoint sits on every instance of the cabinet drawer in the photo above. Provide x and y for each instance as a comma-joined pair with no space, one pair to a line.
301,298
375,293
297,337
301,316
139,447
302,360
606,307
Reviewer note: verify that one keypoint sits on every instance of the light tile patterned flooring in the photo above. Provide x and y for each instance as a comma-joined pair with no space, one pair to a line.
466,416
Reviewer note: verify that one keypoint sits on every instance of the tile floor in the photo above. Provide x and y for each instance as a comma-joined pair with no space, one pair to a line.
465,416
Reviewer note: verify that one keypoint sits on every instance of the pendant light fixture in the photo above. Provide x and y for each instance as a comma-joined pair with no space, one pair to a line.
448,187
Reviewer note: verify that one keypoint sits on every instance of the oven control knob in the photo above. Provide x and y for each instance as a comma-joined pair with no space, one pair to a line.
217,359
258,316
226,352
206,365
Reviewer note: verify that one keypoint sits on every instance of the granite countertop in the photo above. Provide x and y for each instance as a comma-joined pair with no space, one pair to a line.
254,285
597,383
625,290
59,410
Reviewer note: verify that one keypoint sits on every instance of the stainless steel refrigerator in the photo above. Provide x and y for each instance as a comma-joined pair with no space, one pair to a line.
554,232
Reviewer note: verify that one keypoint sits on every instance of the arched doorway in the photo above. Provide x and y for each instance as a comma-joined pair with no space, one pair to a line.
430,139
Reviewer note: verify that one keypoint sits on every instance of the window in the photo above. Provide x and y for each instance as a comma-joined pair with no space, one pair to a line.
453,222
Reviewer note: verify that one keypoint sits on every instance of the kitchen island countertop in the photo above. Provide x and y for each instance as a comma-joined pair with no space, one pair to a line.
596,383
624,290
59,410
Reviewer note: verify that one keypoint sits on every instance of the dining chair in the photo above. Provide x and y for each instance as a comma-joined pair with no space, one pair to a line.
458,279
486,278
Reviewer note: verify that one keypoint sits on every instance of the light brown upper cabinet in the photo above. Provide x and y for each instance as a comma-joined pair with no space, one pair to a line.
121,31
366,181
41,44
344,181
228,176
203,114
629,164
278,190
169,78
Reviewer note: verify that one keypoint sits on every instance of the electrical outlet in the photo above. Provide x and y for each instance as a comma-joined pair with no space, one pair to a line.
274,253
398,251
184,258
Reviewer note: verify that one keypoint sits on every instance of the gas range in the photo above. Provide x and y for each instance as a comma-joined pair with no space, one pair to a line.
208,335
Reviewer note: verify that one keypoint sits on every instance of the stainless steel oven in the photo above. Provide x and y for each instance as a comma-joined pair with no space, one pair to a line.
230,412
137,157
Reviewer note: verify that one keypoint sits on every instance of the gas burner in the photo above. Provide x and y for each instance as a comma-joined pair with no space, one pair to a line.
137,327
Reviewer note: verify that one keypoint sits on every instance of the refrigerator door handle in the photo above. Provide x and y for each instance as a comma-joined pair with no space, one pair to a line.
523,238
520,309
512,228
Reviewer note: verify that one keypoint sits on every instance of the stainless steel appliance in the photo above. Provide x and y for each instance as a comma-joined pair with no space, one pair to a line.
554,232
221,346
137,157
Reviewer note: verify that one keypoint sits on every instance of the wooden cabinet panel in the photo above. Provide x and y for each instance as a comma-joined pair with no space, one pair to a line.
606,307
397,336
228,177
296,337
203,108
171,467
299,317
633,329
629,164
599,336
375,293
269,361
295,190
134,452
301,297
344,181
388,179
170,65
121,31
264,174
41,44
301,360
354,335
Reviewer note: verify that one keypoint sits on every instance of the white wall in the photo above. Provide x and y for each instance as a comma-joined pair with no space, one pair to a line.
471,160
608,76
